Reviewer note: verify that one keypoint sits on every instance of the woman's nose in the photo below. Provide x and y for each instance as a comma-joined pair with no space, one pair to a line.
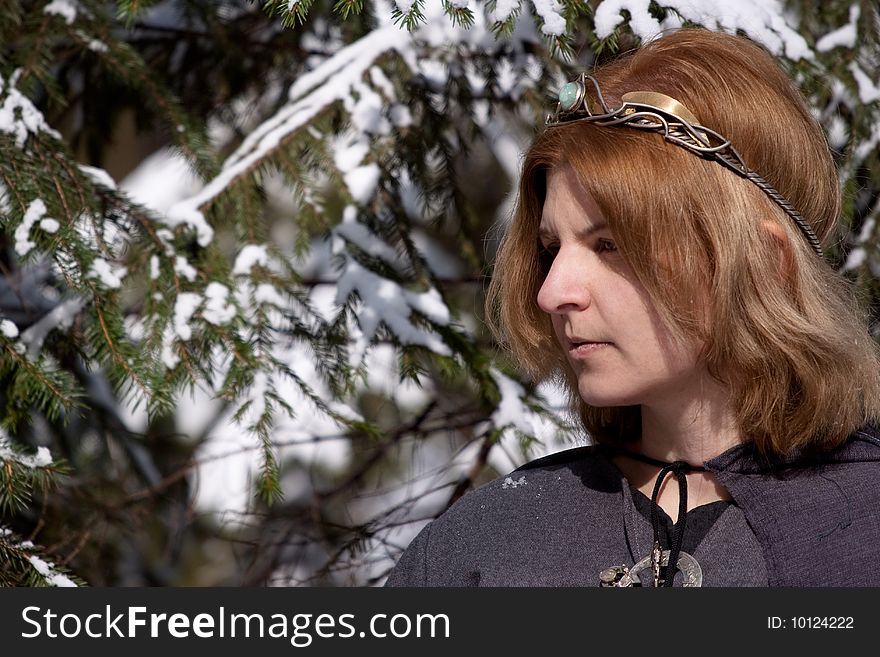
565,288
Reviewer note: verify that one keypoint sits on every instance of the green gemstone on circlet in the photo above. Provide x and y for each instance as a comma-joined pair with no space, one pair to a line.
569,96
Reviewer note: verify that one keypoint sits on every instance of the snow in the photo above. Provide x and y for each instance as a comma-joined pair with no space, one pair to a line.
49,225
229,457
499,135
154,267
256,396
184,307
411,197
361,182
381,81
267,294
435,72
855,259
217,309
509,411
18,115
35,211
366,111
169,356
135,327
843,36
383,376
188,214
250,255
41,459
400,115
312,93
514,416
64,8
98,46
867,229
183,268
509,482
98,176
166,237
440,261
838,132
549,11
349,151
858,255
60,317
762,20
385,302
8,329
361,236
869,91
510,82
160,181
609,15
868,146
47,570
430,303
503,10
322,298
107,274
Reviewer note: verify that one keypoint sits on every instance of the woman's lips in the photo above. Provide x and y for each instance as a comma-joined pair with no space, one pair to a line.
585,349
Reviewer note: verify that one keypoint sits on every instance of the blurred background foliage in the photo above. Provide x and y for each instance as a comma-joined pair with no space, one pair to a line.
244,250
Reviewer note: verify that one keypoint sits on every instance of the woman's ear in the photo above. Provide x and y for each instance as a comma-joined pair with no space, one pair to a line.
783,247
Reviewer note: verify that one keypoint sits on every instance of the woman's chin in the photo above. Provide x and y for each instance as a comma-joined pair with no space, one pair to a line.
599,397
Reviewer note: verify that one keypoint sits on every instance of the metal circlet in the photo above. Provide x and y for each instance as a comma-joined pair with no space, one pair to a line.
656,112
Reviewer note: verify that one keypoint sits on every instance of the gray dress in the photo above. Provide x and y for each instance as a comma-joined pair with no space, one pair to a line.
806,520
560,521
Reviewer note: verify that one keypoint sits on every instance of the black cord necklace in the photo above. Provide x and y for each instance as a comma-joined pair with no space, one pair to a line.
663,576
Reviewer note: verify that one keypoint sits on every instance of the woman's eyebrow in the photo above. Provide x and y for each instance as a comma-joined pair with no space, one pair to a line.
588,231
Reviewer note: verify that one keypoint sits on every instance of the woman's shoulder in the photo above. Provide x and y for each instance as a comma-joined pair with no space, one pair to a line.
868,436
816,514
862,446
573,457
501,528
571,469
530,498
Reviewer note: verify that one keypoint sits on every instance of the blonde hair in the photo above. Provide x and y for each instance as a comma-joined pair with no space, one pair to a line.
787,339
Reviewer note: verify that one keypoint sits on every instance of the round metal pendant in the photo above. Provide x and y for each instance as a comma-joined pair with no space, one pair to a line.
616,576
689,567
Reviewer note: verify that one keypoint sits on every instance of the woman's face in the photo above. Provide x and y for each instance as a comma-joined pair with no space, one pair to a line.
613,338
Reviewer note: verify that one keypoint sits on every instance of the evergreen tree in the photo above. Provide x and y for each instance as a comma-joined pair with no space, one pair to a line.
319,290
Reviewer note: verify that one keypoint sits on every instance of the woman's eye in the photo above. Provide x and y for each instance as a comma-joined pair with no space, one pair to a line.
606,245
546,254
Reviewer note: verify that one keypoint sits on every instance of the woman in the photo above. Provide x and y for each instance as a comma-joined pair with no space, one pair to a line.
665,262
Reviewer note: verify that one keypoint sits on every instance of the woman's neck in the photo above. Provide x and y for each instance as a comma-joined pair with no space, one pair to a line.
692,428
689,427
